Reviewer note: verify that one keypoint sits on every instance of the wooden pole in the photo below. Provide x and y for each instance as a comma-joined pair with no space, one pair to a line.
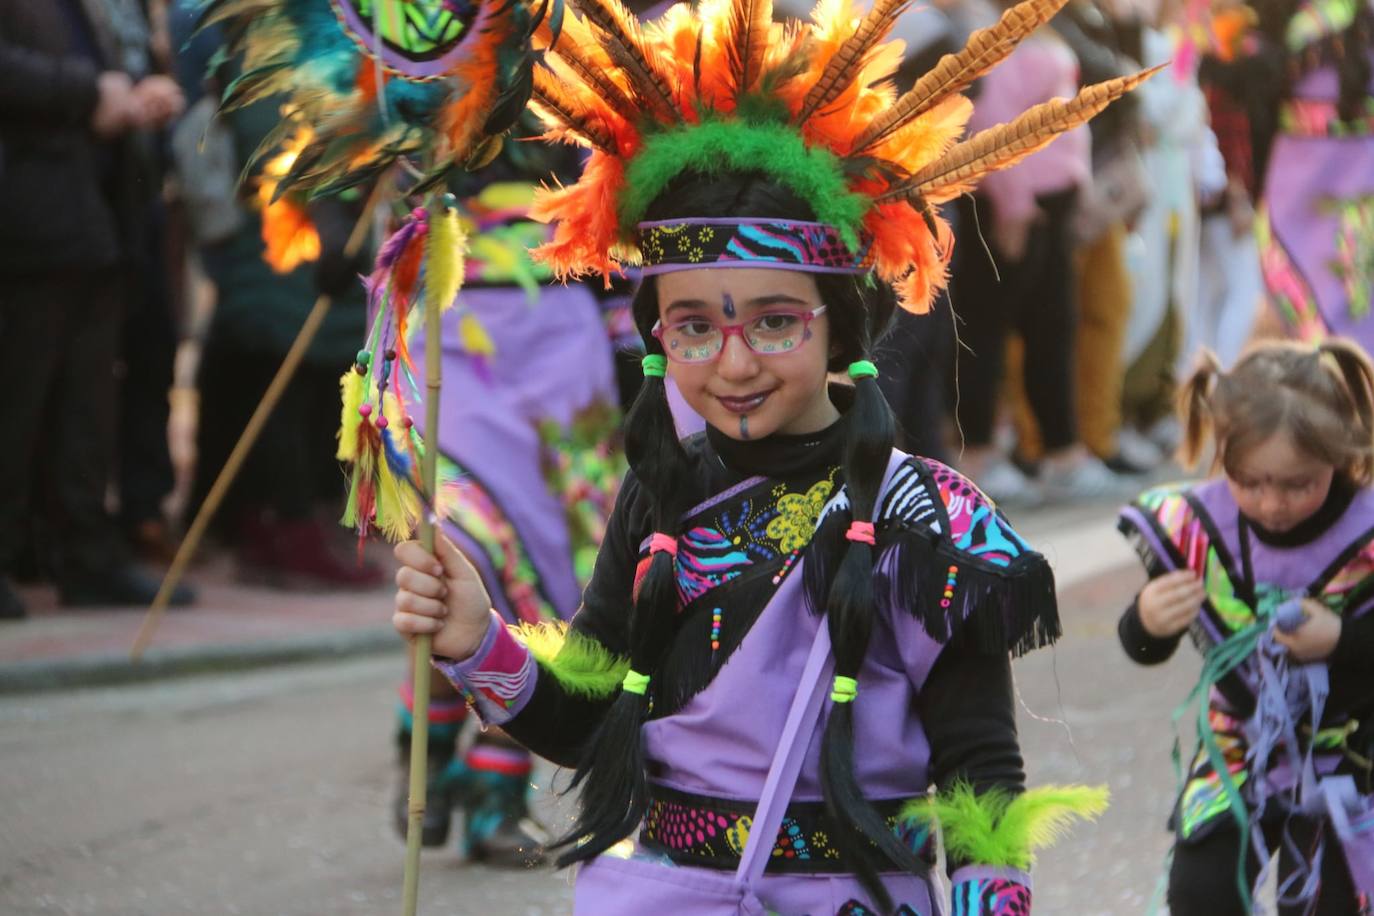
419,729
247,440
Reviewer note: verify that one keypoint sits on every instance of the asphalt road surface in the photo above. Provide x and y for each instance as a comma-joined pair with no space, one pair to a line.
268,792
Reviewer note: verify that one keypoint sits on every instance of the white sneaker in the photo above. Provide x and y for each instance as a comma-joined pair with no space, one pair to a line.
1007,486
1085,480
1166,433
1137,450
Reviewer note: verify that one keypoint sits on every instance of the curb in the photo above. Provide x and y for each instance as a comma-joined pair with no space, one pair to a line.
161,664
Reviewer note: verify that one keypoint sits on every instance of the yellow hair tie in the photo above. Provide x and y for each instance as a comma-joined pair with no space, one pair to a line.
845,689
635,682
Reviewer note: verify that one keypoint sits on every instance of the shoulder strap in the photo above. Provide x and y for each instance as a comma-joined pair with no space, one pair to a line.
802,719
801,723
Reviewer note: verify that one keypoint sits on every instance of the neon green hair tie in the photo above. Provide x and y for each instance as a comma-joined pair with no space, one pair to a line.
635,682
862,369
845,689
654,365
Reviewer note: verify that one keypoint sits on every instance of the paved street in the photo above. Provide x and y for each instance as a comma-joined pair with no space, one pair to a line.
267,792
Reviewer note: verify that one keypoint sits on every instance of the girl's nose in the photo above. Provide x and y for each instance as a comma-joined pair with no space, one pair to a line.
736,360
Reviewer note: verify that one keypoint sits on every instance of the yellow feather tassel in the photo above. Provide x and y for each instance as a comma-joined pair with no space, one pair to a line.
353,387
445,246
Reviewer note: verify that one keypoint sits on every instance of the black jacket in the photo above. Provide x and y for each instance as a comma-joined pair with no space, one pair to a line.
67,198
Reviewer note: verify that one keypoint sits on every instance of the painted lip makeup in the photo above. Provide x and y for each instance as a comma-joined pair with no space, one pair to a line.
744,405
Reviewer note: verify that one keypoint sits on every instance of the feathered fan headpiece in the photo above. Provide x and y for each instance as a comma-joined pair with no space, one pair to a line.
372,81
723,88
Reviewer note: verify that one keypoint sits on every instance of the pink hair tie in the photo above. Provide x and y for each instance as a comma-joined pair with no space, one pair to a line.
658,541
861,531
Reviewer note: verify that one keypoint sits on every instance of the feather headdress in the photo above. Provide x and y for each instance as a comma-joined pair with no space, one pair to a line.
722,87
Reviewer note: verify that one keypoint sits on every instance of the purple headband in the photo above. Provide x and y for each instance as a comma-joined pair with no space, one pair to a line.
686,244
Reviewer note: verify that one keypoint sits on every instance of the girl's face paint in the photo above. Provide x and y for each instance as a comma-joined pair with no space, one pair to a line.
1279,485
740,393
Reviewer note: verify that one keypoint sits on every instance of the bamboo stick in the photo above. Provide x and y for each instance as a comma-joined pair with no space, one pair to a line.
247,440
419,730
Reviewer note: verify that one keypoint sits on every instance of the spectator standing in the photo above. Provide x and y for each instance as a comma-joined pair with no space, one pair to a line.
68,192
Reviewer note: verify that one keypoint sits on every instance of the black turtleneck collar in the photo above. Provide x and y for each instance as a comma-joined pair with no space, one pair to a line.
782,455
1338,499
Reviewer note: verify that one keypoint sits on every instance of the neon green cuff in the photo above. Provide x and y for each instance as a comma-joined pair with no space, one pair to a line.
635,682
862,369
844,690
654,365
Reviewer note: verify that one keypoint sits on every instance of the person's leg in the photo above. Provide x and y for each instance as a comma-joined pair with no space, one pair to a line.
1104,306
983,307
497,826
85,422
1047,324
31,311
912,364
149,352
447,712
1202,876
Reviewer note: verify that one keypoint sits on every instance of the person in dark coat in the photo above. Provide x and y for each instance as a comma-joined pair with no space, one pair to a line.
68,191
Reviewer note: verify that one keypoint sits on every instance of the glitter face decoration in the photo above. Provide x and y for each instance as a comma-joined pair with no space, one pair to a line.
729,306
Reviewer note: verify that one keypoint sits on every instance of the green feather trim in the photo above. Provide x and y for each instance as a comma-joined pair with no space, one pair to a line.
716,147
581,664
995,829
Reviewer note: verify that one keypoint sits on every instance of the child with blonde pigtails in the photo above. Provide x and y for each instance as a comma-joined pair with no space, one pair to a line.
1269,567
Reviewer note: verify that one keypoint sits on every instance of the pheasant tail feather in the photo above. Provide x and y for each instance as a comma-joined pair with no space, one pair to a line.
746,42
623,40
1003,146
555,104
986,48
851,56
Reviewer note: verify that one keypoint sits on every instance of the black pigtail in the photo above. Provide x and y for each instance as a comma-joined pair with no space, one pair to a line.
851,608
615,789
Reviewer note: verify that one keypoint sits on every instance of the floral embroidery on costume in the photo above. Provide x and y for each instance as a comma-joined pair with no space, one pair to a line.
720,544
797,516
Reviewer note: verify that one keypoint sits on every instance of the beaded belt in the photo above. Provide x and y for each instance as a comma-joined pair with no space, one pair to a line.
711,832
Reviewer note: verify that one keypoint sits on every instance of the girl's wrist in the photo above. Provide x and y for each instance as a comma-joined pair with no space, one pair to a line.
469,638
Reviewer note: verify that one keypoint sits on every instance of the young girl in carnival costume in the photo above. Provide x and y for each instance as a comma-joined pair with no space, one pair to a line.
792,631
530,424
1270,569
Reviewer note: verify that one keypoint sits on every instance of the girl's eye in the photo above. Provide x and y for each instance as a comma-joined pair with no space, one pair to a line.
695,328
775,323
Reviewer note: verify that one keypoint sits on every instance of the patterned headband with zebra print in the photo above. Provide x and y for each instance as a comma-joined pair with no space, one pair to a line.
687,244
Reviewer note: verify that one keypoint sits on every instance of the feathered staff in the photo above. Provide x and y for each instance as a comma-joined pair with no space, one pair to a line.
365,84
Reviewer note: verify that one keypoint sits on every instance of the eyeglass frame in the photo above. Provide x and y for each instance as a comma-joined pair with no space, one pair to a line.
727,330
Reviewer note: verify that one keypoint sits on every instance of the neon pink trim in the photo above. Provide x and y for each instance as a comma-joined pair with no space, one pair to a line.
861,531
658,541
